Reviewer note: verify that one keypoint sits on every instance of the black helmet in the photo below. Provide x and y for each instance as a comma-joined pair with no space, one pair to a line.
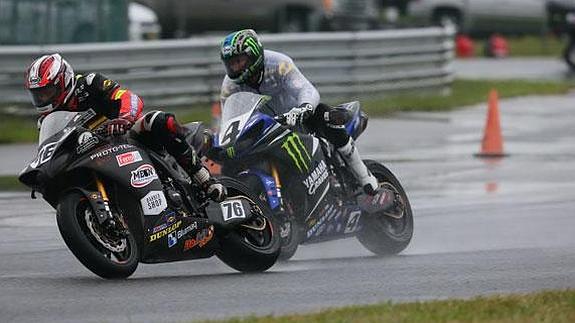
243,56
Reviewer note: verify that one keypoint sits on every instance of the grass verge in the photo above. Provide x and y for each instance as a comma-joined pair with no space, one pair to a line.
552,306
17,129
11,183
464,92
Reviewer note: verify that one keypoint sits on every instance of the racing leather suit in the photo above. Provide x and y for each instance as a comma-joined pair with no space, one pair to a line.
154,129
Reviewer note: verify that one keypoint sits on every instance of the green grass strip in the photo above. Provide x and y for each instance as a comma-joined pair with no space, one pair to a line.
16,129
463,93
11,183
552,306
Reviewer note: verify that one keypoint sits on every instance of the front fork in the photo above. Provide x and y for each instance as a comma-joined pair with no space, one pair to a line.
276,176
287,220
102,206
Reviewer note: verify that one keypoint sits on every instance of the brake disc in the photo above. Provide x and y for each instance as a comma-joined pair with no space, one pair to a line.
119,248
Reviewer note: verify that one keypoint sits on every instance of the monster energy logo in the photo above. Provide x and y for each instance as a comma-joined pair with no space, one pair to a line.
231,152
294,146
253,45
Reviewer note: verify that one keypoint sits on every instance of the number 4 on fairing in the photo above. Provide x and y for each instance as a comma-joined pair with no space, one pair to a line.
232,210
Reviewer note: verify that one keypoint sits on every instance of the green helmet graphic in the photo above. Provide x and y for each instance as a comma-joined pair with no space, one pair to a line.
243,56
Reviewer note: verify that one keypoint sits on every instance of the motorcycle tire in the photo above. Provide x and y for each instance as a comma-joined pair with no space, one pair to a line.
73,214
249,248
381,234
290,243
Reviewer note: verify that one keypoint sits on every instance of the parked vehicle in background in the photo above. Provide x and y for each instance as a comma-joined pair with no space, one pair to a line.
64,21
38,22
482,16
144,23
180,18
561,20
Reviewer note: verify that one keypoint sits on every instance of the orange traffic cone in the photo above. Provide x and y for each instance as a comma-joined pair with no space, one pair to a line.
216,115
492,144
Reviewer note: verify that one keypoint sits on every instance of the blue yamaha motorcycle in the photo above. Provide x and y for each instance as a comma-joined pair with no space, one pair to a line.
305,181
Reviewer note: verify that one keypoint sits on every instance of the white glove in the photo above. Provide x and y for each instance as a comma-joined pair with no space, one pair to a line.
297,115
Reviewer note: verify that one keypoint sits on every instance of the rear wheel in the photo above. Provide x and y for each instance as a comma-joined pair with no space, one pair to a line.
387,233
252,246
108,255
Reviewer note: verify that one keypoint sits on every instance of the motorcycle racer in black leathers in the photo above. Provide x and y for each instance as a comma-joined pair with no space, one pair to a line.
52,85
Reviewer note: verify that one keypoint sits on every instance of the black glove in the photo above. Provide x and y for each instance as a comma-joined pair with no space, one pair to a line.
117,127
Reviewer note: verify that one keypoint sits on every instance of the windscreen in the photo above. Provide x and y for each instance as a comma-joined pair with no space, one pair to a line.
53,123
241,103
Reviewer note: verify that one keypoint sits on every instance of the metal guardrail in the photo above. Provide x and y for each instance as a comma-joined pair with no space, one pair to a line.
180,72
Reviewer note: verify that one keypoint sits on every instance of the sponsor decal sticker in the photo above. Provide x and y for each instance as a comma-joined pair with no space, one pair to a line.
202,238
187,230
175,236
172,240
352,222
107,152
318,226
165,232
128,158
143,176
154,203
159,227
86,141
298,153
316,178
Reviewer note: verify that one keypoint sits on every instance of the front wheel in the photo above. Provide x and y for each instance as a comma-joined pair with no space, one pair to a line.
387,233
106,255
253,246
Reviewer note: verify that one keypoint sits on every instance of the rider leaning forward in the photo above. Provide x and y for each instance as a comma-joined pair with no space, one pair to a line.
250,68
53,86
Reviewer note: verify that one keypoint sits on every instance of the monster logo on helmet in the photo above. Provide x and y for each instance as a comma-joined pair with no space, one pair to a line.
243,56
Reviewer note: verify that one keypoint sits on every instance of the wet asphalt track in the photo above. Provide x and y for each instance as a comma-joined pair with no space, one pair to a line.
480,228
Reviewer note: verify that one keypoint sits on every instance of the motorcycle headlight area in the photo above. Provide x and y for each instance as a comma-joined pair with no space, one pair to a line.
249,137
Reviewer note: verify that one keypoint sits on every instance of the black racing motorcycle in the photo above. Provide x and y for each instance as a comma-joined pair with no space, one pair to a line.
305,181
119,203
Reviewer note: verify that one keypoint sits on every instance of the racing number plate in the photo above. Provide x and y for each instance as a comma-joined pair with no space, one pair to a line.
233,210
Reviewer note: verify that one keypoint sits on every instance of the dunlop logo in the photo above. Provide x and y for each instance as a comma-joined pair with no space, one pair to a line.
296,150
164,232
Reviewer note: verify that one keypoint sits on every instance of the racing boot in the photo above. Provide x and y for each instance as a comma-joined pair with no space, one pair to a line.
367,181
200,175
